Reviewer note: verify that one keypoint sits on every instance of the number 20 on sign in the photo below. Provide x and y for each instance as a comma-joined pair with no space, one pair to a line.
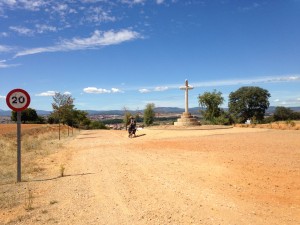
18,100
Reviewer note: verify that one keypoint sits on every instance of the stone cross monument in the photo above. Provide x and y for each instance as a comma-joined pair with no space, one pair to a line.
186,88
186,118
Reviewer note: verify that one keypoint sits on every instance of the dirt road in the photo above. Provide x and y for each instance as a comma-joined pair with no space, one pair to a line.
234,176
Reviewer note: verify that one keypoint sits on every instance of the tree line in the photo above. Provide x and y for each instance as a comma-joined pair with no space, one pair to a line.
247,103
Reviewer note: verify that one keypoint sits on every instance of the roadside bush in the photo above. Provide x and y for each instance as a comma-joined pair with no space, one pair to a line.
269,119
96,125
223,119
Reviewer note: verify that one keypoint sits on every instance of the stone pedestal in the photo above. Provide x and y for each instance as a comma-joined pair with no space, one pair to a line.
187,120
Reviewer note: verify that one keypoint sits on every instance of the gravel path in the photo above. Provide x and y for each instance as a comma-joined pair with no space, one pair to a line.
227,176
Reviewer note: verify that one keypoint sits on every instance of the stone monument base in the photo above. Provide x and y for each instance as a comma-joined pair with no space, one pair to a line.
186,120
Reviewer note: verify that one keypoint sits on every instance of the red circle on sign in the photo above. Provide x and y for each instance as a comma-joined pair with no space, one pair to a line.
25,96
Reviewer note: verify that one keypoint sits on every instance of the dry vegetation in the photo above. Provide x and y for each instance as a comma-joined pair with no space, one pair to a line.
38,141
280,125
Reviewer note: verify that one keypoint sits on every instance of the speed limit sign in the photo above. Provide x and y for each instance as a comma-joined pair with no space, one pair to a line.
18,100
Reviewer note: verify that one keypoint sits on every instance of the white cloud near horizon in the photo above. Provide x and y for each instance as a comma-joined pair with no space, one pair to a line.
46,94
96,40
163,88
51,93
144,90
94,90
147,90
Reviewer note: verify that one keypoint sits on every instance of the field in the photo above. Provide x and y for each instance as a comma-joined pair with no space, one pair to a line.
37,141
163,176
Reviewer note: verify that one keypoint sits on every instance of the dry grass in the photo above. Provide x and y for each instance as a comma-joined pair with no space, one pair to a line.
37,142
281,125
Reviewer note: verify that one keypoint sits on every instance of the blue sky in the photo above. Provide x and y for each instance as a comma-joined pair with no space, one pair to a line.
127,53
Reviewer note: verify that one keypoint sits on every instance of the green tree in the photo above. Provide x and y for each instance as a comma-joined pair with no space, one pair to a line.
97,125
296,115
138,117
283,113
249,103
149,114
211,102
62,108
80,118
27,115
52,119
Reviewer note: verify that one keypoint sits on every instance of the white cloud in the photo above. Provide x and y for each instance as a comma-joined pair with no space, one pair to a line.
51,93
116,90
42,28
2,97
3,64
132,2
60,7
39,28
94,90
22,30
98,15
97,39
161,88
33,5
3,34
4,48
159,1
144,90
276,100
253,6
46,94
9,2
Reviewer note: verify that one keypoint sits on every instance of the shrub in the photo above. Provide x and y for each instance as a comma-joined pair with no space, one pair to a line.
97,125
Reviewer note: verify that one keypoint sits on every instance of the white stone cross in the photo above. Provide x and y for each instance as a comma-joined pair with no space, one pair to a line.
186,88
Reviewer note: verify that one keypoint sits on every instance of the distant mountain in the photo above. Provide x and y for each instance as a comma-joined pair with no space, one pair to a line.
39,112
5,112
43,112
105,112
271,109
194,110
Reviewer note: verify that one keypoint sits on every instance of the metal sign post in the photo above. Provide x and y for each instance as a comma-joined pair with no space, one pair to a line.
18,100
19,146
